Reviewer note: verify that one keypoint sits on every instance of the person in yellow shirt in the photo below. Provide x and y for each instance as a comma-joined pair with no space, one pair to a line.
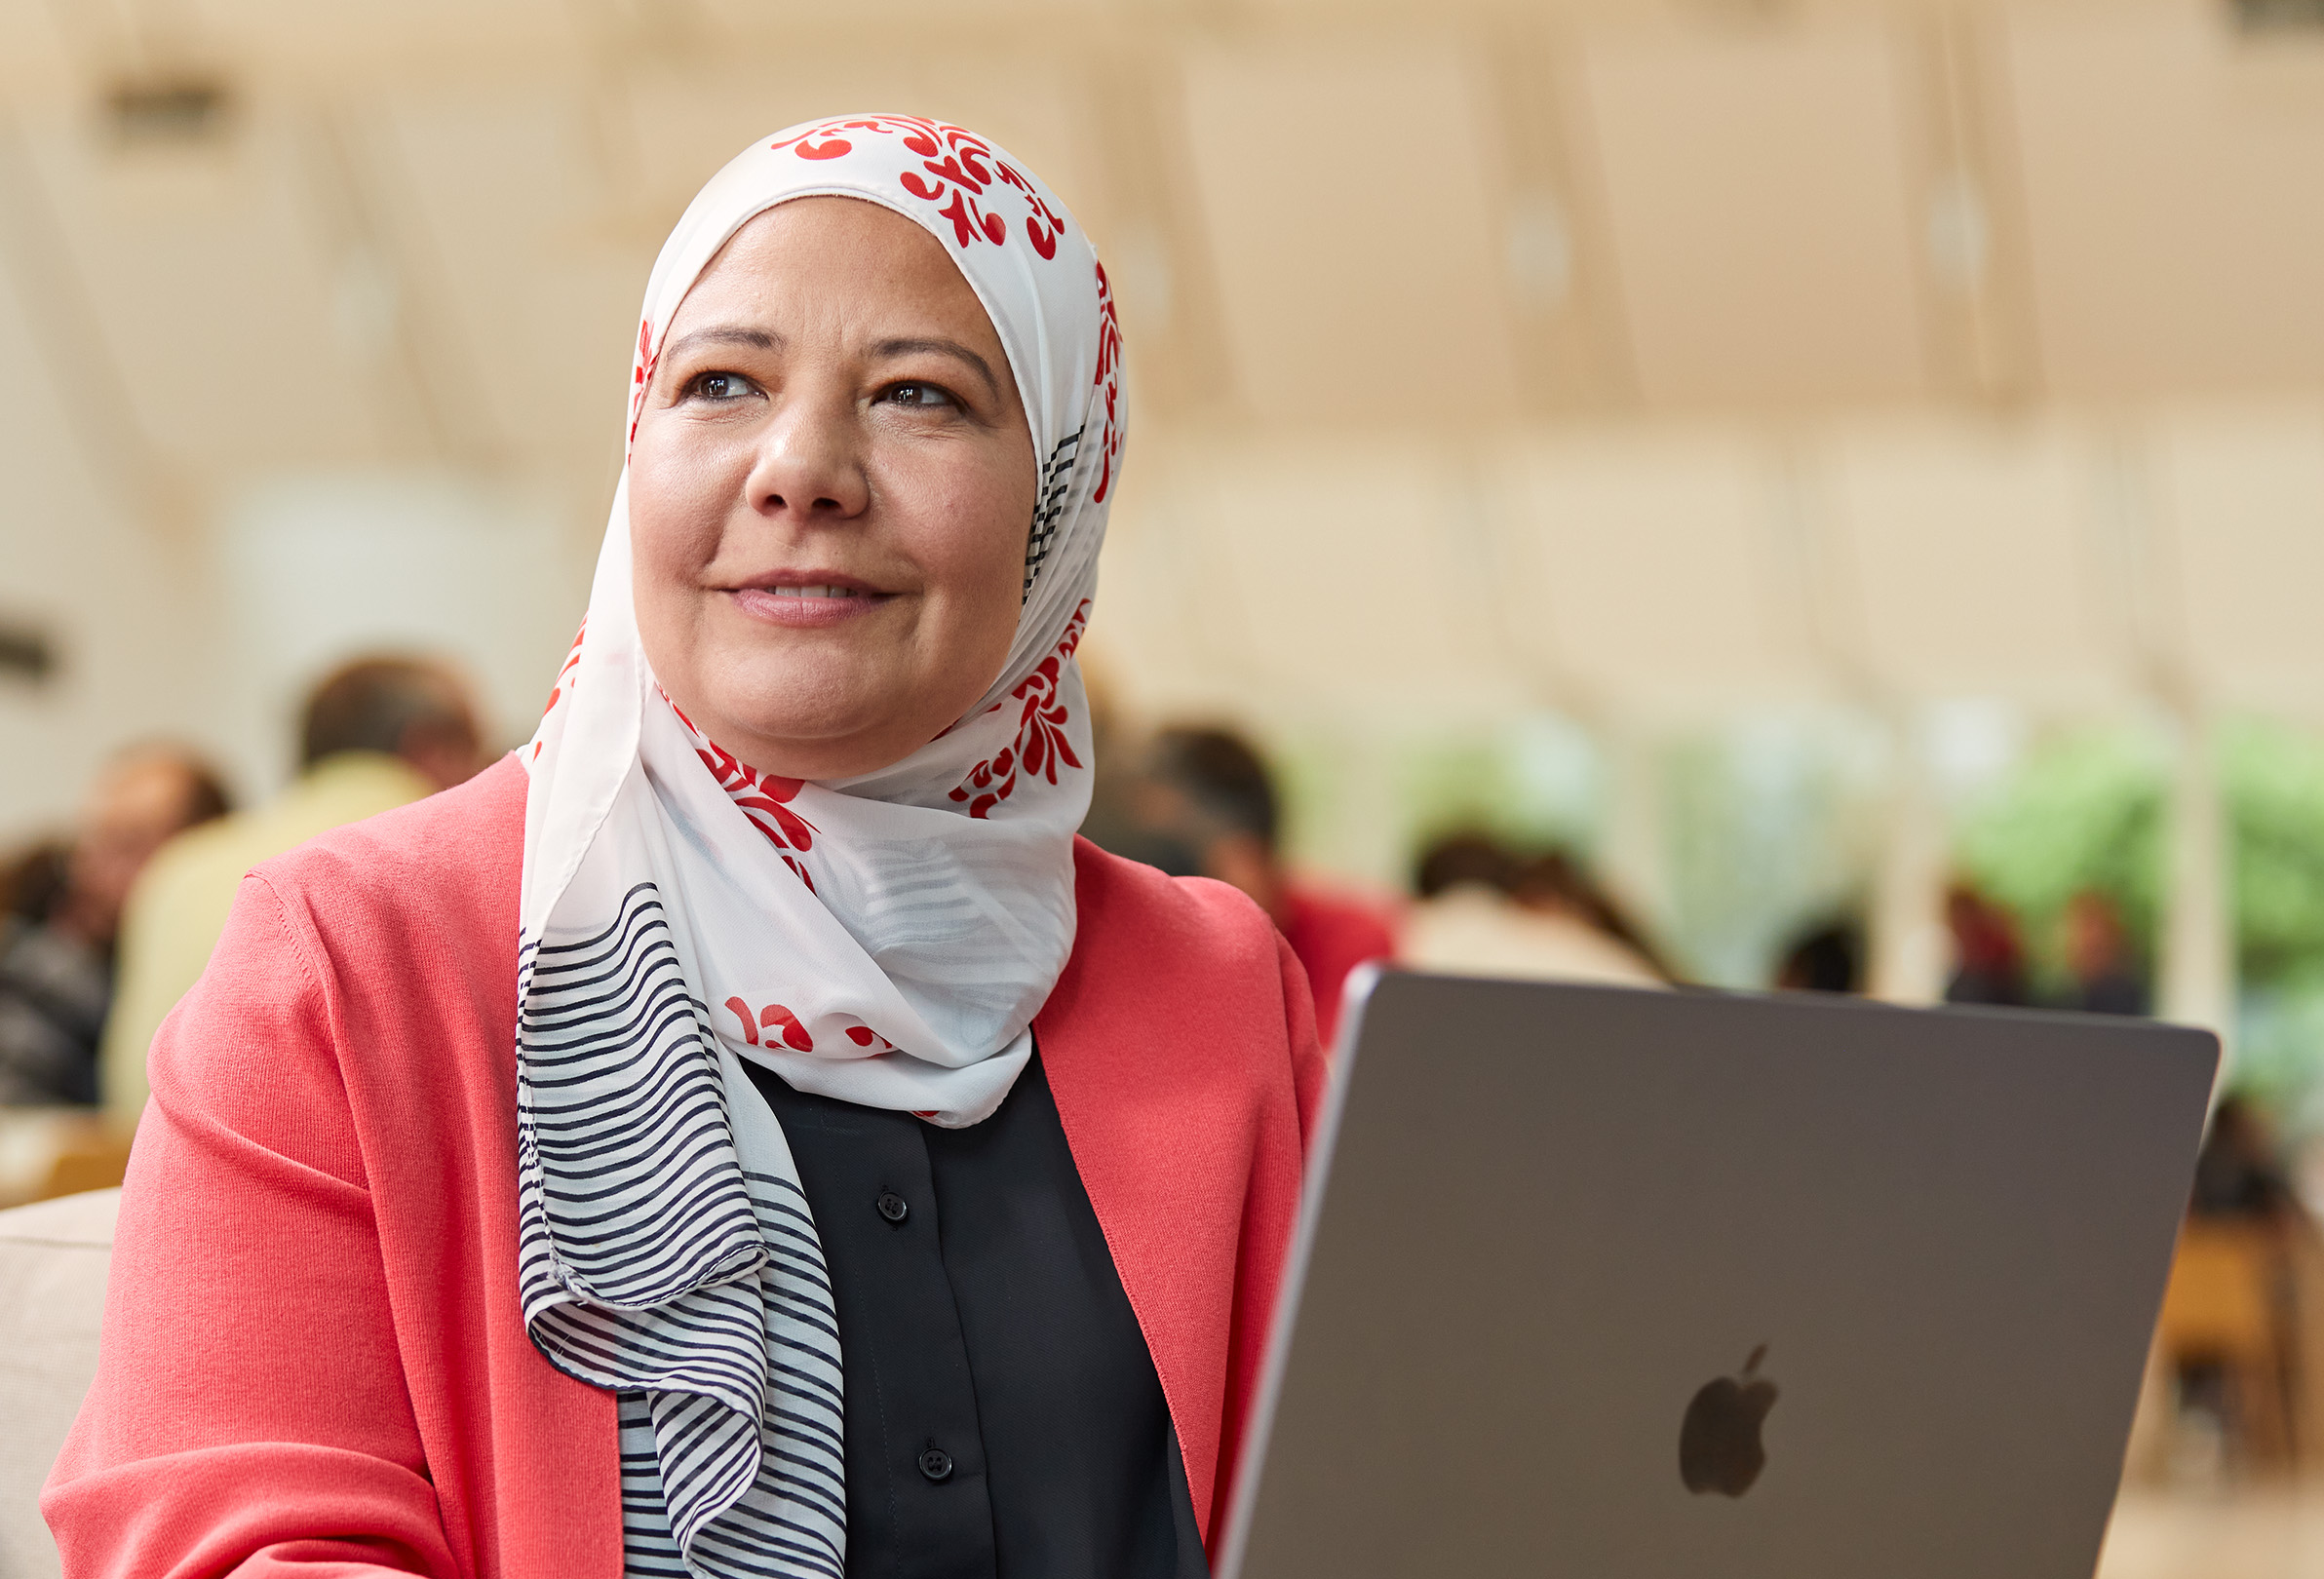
376,734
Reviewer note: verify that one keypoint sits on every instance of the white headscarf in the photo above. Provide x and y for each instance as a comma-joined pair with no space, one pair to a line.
884,939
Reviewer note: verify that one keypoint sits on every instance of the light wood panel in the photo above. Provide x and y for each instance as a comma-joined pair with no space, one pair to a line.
1761,211
1356,249
1972,560
2174,183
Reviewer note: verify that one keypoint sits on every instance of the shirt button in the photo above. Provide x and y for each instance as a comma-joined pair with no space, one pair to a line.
936,1464
893,1207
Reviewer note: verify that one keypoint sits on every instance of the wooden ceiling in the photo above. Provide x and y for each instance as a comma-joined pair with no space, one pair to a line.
1592,351
1443,215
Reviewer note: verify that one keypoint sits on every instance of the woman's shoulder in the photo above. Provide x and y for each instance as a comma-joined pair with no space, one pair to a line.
377,960
1154,955
1170,924
450,864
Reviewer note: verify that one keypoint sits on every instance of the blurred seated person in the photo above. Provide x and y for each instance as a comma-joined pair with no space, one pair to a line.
1552,884
1206,792
2239,1174
2237,1330
64,913
1829,957
1989,963
32,880
1120,798
376,734
1484,911
2107,977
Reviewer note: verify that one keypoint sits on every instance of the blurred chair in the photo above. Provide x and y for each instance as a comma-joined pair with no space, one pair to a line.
35,1140
53,1257
95,1161
2225,1307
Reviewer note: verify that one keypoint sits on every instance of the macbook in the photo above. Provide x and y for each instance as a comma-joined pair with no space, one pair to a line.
1631,1285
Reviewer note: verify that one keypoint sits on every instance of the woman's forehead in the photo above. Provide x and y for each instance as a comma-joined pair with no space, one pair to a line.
842,253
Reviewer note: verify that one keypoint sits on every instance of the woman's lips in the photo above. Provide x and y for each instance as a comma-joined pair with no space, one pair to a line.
806,607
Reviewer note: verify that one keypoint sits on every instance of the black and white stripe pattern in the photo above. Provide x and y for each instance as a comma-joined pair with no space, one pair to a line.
653,1262
1049,506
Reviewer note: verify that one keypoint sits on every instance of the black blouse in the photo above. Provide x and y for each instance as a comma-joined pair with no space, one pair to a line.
1003,1414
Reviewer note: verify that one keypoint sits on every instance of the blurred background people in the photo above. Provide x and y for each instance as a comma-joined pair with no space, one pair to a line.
32,879
1484,910
376,734
2238,1343
2108,978
1989,961
2241,1172
65,909
1827,958
1553,885
1119,796
1202,802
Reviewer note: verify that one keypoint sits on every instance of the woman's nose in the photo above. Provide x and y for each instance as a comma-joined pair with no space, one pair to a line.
809,466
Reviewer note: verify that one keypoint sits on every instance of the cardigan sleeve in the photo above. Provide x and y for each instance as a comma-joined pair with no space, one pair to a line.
1309,1073
250,1414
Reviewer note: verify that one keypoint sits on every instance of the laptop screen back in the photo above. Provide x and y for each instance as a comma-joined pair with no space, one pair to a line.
1609,1283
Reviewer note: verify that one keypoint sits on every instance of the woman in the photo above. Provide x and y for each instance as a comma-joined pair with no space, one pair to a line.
745,1132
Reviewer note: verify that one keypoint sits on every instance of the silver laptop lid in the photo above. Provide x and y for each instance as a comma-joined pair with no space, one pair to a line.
1575,1260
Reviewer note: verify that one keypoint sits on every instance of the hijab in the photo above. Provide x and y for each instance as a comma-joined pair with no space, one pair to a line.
884,939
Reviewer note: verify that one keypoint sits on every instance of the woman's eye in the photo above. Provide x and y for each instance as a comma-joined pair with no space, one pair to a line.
720,386
918,397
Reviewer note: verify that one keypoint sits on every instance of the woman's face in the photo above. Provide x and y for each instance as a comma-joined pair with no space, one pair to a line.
829,491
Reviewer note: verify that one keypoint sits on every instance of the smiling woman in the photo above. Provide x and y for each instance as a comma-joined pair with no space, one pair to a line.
745,1132
829,492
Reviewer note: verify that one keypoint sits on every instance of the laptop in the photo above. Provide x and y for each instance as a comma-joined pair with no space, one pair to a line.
1632,1285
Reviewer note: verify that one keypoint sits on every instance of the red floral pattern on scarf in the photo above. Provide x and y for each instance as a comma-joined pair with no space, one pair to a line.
964,168
1040,744
783,1026
641,371
760,796
773,1017
1110,378
786,1029
573,660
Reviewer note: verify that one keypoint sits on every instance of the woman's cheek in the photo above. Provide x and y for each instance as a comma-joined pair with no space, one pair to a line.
655,558
674,519
667,563
975,525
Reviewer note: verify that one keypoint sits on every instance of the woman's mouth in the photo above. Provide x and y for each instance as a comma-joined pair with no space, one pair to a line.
812,606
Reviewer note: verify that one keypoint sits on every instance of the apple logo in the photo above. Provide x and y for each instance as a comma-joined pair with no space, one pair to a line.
1719,1445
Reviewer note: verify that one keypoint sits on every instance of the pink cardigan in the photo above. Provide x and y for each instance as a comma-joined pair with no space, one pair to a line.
314,1363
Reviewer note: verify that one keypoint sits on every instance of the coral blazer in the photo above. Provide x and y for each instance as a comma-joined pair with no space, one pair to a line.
314,1360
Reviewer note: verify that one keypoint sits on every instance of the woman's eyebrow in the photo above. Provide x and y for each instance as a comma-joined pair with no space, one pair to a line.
942,348
723,335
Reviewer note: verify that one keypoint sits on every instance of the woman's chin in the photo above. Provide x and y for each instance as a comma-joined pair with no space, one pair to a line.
841,743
